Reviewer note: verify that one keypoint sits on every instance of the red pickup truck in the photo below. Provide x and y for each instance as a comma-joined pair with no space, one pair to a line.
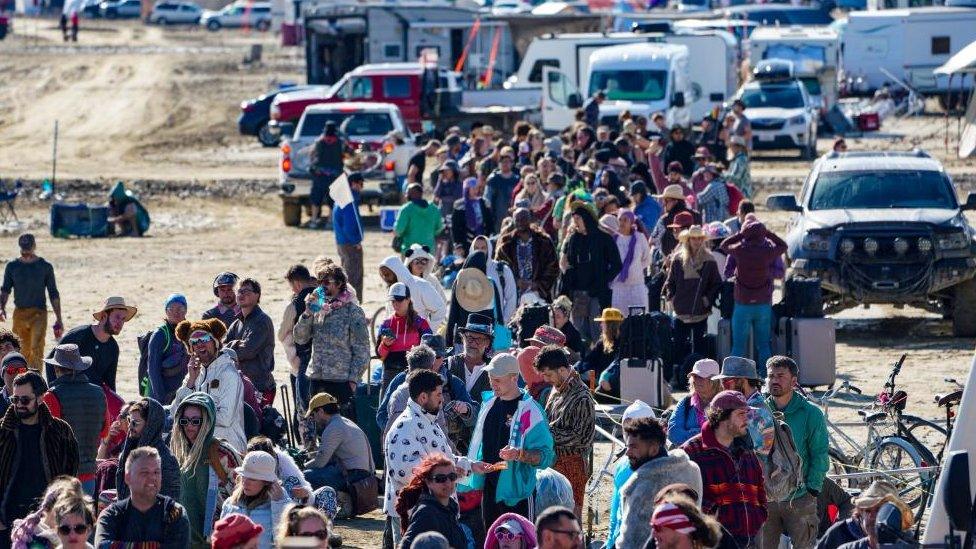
397,83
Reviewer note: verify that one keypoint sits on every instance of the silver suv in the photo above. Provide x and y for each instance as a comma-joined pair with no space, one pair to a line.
884,227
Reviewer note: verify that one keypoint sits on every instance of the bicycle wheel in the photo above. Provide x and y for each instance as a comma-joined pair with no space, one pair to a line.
893,453
932,435
374,325
840,465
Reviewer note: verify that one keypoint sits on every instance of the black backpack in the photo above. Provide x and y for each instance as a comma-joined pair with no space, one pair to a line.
646,336
143,369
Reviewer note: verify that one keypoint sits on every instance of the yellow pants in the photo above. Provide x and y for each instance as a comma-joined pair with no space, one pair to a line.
30,325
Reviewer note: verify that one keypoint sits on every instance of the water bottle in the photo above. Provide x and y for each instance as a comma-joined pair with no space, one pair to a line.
319,302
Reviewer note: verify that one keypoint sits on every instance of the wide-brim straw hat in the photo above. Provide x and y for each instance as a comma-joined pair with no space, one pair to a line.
112,303
473,290
610,315
695,231
673,192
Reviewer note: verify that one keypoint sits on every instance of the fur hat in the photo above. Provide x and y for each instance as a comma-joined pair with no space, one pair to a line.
213,326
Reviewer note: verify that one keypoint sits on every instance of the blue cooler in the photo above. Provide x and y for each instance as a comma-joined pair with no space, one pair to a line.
388,217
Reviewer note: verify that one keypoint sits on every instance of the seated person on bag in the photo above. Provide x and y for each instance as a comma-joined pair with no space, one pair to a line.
343,454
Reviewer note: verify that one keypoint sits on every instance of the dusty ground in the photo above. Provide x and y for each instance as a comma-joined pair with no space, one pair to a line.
137,102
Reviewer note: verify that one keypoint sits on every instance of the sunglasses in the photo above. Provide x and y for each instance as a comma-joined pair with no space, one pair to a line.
320,534
442,478
22,400
422,260
505,535
66,529
15,370
195,421
206,338
412,251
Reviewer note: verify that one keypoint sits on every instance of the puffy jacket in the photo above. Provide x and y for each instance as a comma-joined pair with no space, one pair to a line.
427,301
417,252
638,492
683,423
340,342
268,515
809,428
221,380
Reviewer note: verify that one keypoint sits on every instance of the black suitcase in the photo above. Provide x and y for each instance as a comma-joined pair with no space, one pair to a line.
803,298
367,401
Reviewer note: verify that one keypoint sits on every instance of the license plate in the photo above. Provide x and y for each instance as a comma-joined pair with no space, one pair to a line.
766,137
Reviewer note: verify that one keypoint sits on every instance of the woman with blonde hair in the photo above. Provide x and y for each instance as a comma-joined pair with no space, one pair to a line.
531,192
304,522
259,495
40,527
691,288
75,521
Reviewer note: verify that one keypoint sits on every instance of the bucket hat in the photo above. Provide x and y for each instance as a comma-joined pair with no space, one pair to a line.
68,356
258,465
737,366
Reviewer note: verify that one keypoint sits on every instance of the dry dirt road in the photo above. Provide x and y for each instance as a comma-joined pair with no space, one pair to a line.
138,102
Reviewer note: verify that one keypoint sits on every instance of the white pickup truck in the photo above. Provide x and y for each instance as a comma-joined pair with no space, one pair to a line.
364,126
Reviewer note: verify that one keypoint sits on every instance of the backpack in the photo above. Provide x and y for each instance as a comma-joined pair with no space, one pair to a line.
143,369
646,336
735,196
783,474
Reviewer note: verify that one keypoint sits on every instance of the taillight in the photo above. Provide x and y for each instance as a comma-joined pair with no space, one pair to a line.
388,148
247,106
389,165
285,157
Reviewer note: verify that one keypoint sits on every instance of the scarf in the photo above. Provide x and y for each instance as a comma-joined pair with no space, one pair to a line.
631,246
332,304
472,214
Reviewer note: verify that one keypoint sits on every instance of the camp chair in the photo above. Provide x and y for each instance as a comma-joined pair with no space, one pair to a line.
8,199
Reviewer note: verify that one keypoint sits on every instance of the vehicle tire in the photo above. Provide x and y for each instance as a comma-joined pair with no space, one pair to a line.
963,301
897,453
213,25
266,137
263,25
161,21
291,211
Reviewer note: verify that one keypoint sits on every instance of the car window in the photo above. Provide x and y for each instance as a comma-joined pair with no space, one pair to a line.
630,85
784,96
187,7
395,87
261,9
535,75
882,189
360,88
351,124
165,6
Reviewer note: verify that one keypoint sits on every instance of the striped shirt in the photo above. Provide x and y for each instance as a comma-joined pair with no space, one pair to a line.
572,413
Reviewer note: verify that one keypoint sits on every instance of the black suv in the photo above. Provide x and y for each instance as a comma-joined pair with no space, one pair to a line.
883,227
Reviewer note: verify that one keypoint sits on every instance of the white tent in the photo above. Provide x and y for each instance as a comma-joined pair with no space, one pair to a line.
964,63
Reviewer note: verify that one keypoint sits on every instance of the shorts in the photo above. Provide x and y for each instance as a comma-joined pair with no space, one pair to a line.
320,189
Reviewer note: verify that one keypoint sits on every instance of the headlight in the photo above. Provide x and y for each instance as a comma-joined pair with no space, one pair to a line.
870,246
924,245
901,246
797,120
816,243
952,241
846,246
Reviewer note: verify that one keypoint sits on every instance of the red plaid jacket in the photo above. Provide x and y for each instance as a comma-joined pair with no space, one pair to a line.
732,482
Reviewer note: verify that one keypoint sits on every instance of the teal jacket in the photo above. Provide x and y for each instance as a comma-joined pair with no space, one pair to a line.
517,482
418,223
809,428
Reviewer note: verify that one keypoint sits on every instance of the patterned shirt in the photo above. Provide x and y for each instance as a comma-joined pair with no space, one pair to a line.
572,415
523,251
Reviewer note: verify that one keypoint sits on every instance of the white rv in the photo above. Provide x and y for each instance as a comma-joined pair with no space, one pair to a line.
814,52
908,43
640,78
712,69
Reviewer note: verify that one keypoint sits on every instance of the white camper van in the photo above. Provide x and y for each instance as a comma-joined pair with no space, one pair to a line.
712,71
814,52
640,78
908,43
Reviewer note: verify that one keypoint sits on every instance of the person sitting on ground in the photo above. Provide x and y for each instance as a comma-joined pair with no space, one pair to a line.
304,522
286,469
511,531
126,215
343,454
166,357
427,503
236,531
145,516
690,413
259,495
678,523
39,528
604,351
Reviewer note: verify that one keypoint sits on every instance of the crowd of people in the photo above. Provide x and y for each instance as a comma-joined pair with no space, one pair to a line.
486,424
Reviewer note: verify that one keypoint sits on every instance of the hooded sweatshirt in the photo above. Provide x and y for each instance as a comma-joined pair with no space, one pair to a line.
426,300
418,222
152,435
417,252
593,260
754,249
221,380
205,487
501,275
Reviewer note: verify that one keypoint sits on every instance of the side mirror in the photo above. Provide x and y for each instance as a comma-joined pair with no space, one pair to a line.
970,202
956,496
783,202
678,100
574,101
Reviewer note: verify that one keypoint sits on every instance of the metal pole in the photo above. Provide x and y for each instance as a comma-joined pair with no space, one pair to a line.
54,157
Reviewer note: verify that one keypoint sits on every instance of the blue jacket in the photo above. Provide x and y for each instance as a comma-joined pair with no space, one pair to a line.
649,211
346,224
621,475
454,385
683,423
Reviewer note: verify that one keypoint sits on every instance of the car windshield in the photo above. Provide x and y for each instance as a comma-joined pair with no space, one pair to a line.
812,84
352,124
863,190
630,85
784,96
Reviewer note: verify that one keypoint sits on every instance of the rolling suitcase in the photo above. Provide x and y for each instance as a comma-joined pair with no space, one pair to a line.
366,402
803,298
644,380
723,342
811,342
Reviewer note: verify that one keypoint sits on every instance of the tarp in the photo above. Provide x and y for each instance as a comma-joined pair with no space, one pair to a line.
964,61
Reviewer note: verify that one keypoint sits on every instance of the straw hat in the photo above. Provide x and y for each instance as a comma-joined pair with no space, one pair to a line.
610,315
875,494
672,191
695,231
473,290
112,303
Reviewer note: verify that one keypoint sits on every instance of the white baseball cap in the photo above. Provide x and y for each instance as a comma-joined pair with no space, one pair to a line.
638,410
706,368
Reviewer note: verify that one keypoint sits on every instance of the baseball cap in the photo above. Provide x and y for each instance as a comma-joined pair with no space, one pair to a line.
319,401
729,400
706,368
502,364
399,291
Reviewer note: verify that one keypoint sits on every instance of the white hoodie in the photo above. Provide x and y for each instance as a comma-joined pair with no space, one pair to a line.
222,381
501,274
419,253
426,301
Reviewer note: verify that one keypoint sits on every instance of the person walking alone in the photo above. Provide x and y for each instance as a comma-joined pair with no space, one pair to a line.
29,276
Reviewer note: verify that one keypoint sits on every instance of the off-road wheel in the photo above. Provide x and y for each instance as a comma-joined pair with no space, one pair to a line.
963,307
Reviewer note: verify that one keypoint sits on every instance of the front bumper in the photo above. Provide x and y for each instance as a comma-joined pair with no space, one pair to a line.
779,139
886,283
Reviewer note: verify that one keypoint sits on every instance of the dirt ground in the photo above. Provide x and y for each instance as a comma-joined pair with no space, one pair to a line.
138,102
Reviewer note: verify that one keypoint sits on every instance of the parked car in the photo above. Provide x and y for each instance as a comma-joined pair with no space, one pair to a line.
255,115
884,227
120,9
365,127
168,12
256,15
782,114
